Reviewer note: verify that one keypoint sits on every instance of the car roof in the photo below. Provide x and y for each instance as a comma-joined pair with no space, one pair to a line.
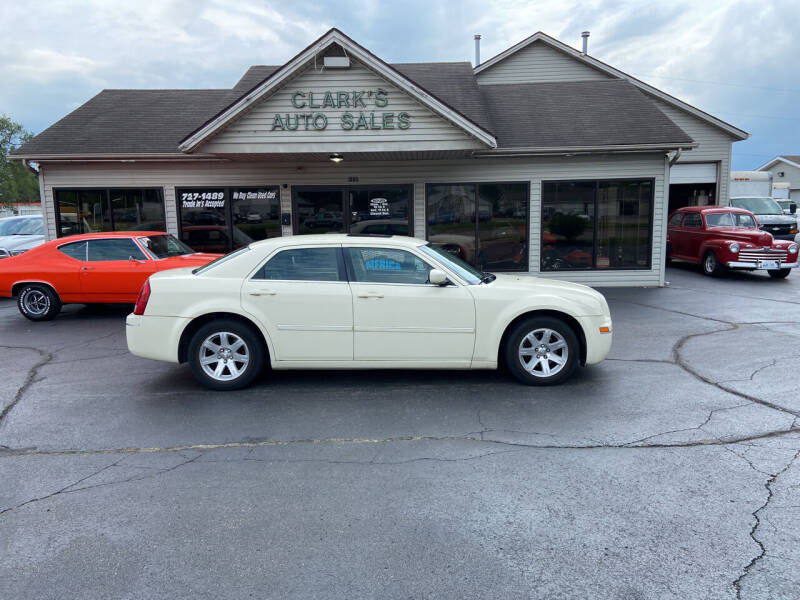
78,237
712,209
341,238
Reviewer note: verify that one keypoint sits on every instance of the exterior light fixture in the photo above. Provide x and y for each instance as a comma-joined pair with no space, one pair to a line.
336,157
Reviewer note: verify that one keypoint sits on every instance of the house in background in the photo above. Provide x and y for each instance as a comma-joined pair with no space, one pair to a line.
785,169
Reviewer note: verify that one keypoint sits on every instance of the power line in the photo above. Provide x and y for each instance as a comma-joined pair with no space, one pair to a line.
741,85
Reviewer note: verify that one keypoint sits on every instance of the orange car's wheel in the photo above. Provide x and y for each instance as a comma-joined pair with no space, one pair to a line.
38,302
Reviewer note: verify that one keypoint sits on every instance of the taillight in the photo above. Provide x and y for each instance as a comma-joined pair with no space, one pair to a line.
141,301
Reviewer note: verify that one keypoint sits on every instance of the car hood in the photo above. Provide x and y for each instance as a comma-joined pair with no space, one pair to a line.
776,220
187,260
14,242
519,286
752,236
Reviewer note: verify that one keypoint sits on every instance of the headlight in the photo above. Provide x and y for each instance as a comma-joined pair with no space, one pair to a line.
734,247
793,249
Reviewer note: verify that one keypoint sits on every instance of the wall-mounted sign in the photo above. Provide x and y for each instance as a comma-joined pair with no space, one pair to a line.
202,199
350,119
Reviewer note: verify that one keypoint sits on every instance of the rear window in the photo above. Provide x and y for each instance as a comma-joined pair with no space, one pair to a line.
76,250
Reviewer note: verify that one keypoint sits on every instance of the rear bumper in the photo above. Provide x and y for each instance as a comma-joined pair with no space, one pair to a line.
754,266
156,338
598,344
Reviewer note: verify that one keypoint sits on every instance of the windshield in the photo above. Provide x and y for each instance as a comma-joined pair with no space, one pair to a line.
165,246
759,206
729,219
22,227
465,270
220,260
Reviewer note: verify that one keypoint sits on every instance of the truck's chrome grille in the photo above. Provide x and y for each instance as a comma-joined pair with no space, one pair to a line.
761,254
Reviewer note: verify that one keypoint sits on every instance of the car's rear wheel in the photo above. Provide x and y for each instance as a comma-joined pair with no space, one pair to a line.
542,351
711,265
779,273
38,302
226,355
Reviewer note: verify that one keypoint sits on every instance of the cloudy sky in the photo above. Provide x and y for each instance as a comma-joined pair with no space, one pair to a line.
737,59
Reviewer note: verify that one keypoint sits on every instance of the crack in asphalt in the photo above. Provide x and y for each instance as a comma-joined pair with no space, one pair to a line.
21,452
30,378
737,584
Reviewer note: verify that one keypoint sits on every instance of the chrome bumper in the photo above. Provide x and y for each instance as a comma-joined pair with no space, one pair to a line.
750,265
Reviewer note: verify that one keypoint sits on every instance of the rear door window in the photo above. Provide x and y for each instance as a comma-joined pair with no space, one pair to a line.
114,249
693,220
303,264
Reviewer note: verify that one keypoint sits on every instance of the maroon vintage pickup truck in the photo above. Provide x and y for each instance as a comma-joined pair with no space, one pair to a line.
719,237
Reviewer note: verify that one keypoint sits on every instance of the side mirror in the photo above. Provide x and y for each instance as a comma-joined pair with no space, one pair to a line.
437,277
793,208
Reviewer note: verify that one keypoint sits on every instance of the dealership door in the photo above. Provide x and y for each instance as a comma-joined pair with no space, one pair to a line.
364,209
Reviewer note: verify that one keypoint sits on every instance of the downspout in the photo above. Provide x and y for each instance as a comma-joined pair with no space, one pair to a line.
675,158
28,166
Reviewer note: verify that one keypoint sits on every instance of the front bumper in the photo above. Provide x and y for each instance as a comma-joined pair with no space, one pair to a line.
156,338
598,344
755,267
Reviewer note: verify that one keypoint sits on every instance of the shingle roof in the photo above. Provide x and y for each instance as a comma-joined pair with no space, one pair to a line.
129,121
577,114
553,114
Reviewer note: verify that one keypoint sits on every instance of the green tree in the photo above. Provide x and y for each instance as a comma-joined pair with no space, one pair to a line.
17,183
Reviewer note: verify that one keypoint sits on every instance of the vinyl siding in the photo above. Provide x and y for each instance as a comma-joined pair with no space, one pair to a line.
536,63
791,176
418,173
714,145
253,132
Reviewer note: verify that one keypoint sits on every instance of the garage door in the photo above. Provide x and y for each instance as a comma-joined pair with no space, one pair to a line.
693,173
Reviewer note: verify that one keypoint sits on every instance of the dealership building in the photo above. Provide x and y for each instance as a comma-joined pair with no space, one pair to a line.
540,160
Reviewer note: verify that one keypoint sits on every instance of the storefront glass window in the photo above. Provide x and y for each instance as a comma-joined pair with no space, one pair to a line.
96,210
380,210
484,224
596,225
319,211
222,219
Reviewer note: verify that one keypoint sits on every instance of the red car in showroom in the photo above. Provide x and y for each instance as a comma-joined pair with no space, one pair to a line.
91,268
725,237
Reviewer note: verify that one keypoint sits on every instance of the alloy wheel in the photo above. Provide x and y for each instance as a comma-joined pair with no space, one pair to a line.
224,356
543,352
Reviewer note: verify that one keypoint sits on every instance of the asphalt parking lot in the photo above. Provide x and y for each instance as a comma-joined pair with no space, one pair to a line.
669,471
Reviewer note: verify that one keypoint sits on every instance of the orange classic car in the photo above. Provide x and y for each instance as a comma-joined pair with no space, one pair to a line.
91,268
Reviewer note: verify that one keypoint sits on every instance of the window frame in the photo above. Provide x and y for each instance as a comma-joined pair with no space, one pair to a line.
75,243
107,197
597,182
477,184
227,190
344,190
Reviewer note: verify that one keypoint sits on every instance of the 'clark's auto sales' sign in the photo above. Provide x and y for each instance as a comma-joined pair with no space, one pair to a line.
350,119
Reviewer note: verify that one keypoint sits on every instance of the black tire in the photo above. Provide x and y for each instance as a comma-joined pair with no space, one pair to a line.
518,343
779,273
710,265
38,302
226,379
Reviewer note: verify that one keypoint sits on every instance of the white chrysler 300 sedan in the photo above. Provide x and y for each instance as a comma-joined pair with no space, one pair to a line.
338,301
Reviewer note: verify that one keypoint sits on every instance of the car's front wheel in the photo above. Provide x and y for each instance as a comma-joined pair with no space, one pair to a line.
38,302
779,273
226,355
711,265
542,351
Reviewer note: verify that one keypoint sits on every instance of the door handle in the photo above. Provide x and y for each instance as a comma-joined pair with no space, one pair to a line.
370,295
263,293
87,268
